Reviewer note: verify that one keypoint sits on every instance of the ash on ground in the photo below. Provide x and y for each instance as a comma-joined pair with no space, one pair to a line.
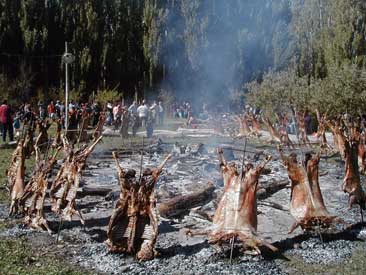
192,167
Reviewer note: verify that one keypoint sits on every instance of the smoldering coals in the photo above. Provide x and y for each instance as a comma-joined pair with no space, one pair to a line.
209,48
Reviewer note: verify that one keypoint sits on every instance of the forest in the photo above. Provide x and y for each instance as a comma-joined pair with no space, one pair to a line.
269,53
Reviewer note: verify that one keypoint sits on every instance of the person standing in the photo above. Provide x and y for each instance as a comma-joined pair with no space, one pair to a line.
161,113
143,112
51,110
6,121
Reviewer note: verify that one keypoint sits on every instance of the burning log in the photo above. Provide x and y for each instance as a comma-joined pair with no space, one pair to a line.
307,204
181,205
34,194
351,182
66,184
236,214
133,227
16,175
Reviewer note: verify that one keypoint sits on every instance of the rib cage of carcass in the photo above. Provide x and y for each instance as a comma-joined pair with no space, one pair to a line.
133,227
236,214
306,201
16,174
34,195
67,181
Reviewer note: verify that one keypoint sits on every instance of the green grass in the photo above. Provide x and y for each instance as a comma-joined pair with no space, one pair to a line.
17,257
354,265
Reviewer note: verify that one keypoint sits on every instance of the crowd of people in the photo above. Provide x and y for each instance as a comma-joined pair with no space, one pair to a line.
118,115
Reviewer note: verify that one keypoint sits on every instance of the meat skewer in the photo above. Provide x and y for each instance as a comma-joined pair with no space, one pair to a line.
133,227
35,192
307,204
320,134
352,182
244,129
99,129
16,173
64,187
275,135
236,214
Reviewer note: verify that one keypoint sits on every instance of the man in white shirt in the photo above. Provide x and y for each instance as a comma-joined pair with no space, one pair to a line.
143,113
161,113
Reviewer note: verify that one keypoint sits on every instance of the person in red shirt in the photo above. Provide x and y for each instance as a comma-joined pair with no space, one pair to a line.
51,110
6,120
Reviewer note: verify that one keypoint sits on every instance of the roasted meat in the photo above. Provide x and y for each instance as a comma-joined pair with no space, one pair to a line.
58,140
99,129
244,129
339,137
307,204
66,183
16,173
42,139
275,135
133,227
320,134
236,214
302,135
352,182
34,194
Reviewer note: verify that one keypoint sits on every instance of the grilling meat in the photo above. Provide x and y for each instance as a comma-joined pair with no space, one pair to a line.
99,129
303,137
236,214
351,182
275,135
16,175
133,227
64,187
42,140
339,137
83,135
34,195
256,127
244,129
58,140
320,134
307,204
28,141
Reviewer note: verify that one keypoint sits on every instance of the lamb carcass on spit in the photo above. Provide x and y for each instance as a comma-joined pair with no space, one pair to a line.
42,139
66,183
16,173
352,182
307,204
320,134
58,140
34,194
302,135
244,129
236,214
99,129
339,138
275,135
133,227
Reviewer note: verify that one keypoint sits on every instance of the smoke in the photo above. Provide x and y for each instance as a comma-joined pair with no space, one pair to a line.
211,48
